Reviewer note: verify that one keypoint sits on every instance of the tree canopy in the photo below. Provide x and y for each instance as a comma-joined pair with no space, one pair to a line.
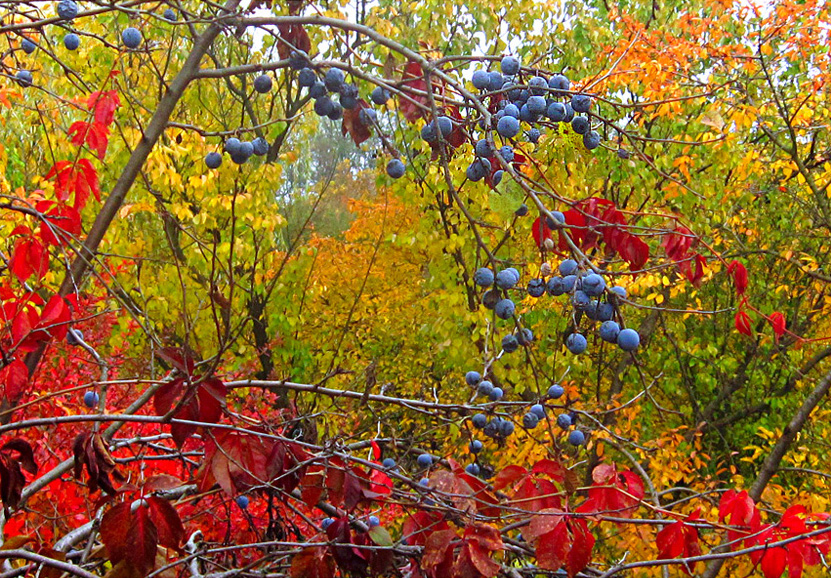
425,289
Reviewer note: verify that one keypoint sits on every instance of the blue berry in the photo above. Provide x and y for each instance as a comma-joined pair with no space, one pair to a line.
495,81
496,394
478,169
242,502
506,428
580,124
628,339
623,154
28,46
388,463
591,140
425,460
368,116
510,344
424,482
536,287
555,286
333,79
473,378
568,267
306,77
568,283
581,102
619,290
336,113
504,309
497,178
348,96
91,399
483,149
484,388
507,153
576,343
511,110
580,300
556,391
609,331
472,469
481,79
317,90
67,9
324,106
538,86
233,145
530,420
260,146
525,336
564,420
605,311
509,65
72,41
374,521
556,112
559,83
538,410
131,37
169,15
74,336
521,211
395,168
326,522
533,135
508,126
576,438
483,277
379,95
506,279
213,160
479,420
475,446
536,105
298,60
24,78
593,284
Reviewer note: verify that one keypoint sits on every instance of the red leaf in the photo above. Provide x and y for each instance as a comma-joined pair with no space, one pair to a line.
742,323
85,182
613,493
777,321
130,536
312,562
678,540
413,78
78,132
166,519
739,273
58,218
540,231
740,510
438,553
774,561
29,257
352,124
581,549
294,35
105,105
14,376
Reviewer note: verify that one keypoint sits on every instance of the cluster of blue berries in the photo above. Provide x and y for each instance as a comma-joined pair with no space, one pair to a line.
67,10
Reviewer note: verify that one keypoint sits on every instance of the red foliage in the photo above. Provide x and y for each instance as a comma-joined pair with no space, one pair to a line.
29,257
352,125
613,493
742,323
739,509
413,79
777,321
560,540
201,402
16,456
739,273
594,220
679,540
295,35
